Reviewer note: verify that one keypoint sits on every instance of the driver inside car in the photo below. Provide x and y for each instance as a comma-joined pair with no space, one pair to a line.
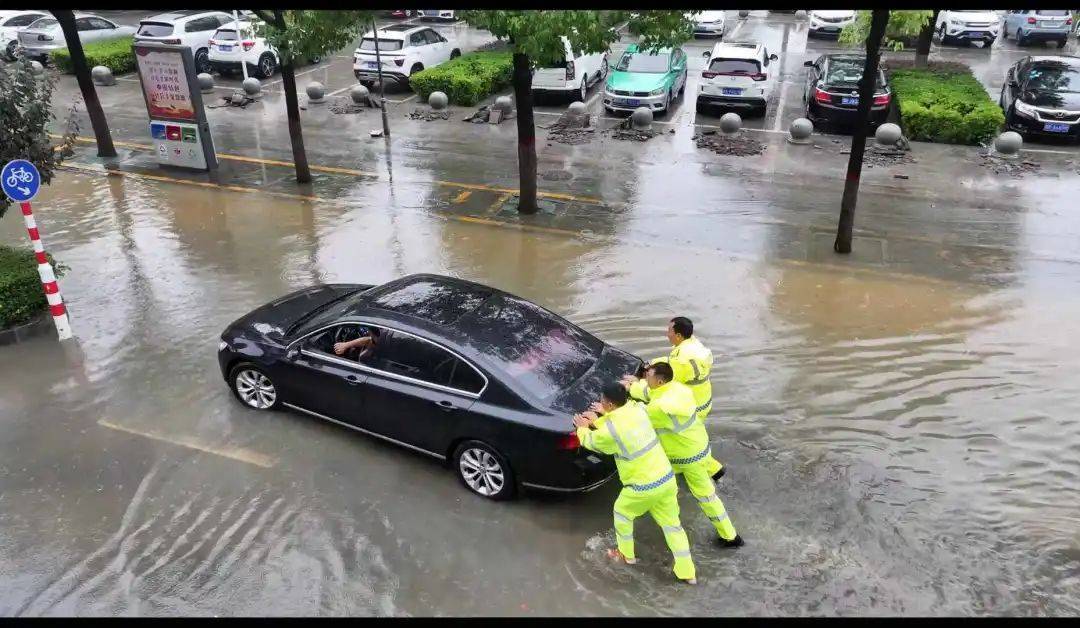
366,344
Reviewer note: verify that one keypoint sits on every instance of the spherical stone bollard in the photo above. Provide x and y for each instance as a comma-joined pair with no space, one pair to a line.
252,87
576,109
206,82
887,134
505,104
800,14
102,75
744,14
641,118
438,100
1008,144
316,93
800,131
359,94
730,122
37,68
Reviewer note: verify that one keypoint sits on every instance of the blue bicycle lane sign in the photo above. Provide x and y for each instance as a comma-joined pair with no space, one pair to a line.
20,180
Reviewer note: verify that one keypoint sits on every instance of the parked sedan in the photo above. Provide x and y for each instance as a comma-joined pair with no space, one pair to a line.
456,370
646,79
832,91
39,39
709,24
11,22
1041,97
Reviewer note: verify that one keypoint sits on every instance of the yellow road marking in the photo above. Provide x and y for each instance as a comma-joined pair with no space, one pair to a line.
460,198
233,453
497,204
350,171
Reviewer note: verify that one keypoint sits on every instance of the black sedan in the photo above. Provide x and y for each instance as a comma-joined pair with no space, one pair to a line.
832,91
459,371
1041,97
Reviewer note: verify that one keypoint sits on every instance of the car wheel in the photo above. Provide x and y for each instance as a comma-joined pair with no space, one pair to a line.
455,53
9,51
484,471
1020,41
267,65
202,60
941,34
987,43
603,70
582,93
253,387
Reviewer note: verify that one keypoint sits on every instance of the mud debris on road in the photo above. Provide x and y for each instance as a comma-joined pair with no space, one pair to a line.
429,115
735,145
345,105
571,129
1013,168
625,131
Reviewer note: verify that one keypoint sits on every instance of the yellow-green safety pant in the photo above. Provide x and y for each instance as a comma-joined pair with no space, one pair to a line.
699,481
663,504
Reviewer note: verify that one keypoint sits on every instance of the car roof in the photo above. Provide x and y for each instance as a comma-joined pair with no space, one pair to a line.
737,49
661,51
1058,58
178,16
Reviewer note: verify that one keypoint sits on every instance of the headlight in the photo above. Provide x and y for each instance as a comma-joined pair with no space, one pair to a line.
222,346
1024,108
656,92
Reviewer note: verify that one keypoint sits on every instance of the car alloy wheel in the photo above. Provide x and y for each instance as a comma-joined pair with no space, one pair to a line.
202,60
584,90
266,66
9,52
254,388
484,471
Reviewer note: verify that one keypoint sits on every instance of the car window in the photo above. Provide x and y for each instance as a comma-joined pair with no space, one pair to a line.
323,342
409,356
416,39
23,20
368,43
155,29
225,34
100,24
202,24
433,37
641,62
83,24
46,23
734,66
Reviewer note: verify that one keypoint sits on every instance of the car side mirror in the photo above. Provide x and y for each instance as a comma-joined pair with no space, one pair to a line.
292,352
773,57
808,64
705,54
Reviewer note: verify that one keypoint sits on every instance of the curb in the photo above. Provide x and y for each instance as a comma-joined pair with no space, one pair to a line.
20,333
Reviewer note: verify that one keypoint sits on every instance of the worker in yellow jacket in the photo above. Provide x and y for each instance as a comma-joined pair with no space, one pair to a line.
691,362
621,428
672,412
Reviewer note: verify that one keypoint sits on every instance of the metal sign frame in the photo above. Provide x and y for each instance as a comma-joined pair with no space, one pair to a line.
194,90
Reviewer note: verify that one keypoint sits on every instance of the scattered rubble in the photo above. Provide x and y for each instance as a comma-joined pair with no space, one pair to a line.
429,114
480,116
1015,168
626,131
571,129
345,104
235,99
737,145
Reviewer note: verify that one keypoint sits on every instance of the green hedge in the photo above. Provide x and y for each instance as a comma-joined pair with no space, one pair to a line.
21,294
467,79
115,54
945,104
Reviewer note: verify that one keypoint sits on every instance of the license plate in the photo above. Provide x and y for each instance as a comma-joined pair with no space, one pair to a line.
1055,127
846,100
976,35
371,64
731,91
225,48
1050,25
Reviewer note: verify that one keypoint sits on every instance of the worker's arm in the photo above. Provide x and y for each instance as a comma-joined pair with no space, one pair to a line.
638,390
597,439
689,370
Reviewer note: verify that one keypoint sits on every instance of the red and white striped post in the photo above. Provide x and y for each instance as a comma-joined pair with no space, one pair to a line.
48,277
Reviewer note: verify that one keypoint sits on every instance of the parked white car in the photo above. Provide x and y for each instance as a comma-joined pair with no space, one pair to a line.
1029,26
709,23
11,22
45,35
737,76
829,22
184,28
968,26
404,49
437,14
573,76
234,44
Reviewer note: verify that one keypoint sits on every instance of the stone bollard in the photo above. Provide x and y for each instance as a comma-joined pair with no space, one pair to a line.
316,93
102,75
744,14
252,87
800,131
1008,144
37,68
206,82
730,123
642,118
505,104
887,134
800,14
576,109
438,100
359,94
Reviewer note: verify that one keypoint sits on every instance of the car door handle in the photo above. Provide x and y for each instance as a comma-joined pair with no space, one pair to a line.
445,405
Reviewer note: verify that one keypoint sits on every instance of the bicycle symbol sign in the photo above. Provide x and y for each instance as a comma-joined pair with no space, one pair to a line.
20,180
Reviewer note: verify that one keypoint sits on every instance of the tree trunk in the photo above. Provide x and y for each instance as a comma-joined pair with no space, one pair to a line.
878,21
82,75
522,80
922,47
292,108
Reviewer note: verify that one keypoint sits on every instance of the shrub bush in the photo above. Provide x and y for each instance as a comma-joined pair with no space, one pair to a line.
944,103
467,79
21,294
115,54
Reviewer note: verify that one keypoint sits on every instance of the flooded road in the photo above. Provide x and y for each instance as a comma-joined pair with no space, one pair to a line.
897,443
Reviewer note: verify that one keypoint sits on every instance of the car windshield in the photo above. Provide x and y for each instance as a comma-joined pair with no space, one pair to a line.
847,72
1055,78
43,23
540,351
155,29
641,62
368,43
734,66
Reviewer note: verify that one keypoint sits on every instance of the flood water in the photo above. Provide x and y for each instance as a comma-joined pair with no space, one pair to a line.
896,444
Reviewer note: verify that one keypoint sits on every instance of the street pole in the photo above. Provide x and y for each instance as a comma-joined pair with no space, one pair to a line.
48,277
382,86
243,64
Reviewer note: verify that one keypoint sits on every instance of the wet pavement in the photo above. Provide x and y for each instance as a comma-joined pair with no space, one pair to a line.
900,426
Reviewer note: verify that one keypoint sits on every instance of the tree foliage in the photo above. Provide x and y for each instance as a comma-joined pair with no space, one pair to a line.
25,114
902,27
309,34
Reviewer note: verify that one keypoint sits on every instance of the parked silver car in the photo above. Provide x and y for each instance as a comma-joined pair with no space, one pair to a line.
11,22
1038,26
43,36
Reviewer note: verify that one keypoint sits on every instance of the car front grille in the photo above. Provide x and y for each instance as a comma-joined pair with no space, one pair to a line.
832,20
1059,116
977,24
619,92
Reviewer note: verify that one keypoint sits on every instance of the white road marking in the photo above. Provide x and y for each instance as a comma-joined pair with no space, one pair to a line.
1047,150
296,74
235,453
338,91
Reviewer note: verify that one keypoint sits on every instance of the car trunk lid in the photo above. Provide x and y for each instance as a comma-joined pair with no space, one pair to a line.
611,365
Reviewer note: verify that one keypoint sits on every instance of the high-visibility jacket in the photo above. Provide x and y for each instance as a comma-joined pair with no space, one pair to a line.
627,434
672,412
691,363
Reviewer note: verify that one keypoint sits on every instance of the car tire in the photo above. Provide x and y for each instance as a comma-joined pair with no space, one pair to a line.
1061,43
484,471
455,53
942,37
9,51
267,65
988,43
253,387
1020,40
416,67
582,93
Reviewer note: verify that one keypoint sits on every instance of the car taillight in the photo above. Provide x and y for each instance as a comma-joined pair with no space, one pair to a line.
882,99
821,96
570,441
1068,21
569,70
399,62
707,74
759,77
212,42
1031,20
248,45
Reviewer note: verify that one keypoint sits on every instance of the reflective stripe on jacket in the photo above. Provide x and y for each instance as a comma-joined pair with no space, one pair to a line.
691,363
627,434
672,413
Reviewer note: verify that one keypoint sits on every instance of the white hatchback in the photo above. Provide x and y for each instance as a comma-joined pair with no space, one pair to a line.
573,76
736,76
829,22
404,50
11,22
184,28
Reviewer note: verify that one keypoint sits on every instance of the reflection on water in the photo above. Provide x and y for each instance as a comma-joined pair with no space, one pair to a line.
896,444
